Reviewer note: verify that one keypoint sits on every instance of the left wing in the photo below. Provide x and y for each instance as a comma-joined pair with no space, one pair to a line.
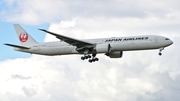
75,42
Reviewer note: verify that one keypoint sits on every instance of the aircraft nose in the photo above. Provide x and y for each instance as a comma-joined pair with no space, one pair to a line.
170,42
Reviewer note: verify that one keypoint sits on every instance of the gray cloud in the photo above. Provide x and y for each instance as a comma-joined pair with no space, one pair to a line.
29,91
20,77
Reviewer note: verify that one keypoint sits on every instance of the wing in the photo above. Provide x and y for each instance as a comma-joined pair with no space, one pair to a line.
72,41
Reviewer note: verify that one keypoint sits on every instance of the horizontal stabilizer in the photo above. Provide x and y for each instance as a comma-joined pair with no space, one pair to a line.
16,46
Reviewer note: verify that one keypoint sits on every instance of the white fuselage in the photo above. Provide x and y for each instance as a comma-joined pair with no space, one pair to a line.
117,44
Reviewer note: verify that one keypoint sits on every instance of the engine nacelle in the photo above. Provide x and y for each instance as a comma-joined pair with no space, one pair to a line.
103,48
117,54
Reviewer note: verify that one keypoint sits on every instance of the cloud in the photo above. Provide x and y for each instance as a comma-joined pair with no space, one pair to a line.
19,77
29,91
139,75
69,78
98,27
48,11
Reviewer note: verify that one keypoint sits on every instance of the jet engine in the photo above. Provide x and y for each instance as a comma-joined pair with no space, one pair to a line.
103,48
117,54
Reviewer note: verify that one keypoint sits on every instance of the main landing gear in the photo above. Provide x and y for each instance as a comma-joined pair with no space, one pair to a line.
160,51
87,56
91,58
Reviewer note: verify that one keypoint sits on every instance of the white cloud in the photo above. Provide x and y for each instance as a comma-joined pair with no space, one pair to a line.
98,27
69,78
138,76
46,11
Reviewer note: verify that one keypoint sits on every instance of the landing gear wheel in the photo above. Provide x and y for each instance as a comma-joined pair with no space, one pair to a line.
93,60
96,59
89,56
90,60
86,57
160,54
82,58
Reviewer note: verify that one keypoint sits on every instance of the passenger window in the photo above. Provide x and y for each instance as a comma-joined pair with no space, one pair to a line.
167,39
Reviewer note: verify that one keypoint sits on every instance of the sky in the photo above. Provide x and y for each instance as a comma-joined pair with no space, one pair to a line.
137,76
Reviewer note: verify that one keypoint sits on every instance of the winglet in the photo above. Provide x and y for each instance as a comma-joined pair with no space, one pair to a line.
42,29
48,32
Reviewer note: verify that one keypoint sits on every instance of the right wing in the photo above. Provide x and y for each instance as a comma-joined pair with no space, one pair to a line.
16,46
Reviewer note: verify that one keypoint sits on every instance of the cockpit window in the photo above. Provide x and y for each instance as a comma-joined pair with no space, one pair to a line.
167,39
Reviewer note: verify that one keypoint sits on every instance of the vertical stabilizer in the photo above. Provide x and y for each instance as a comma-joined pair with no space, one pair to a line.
24,38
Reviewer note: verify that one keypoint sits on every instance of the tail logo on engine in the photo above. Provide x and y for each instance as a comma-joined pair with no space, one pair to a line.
23,37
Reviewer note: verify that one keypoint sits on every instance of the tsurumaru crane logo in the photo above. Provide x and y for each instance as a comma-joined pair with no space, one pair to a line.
23,37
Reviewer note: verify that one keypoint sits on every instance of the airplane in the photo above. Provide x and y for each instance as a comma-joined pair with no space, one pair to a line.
112,47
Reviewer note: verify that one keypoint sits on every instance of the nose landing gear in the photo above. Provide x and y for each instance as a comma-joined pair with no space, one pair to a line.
160,51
